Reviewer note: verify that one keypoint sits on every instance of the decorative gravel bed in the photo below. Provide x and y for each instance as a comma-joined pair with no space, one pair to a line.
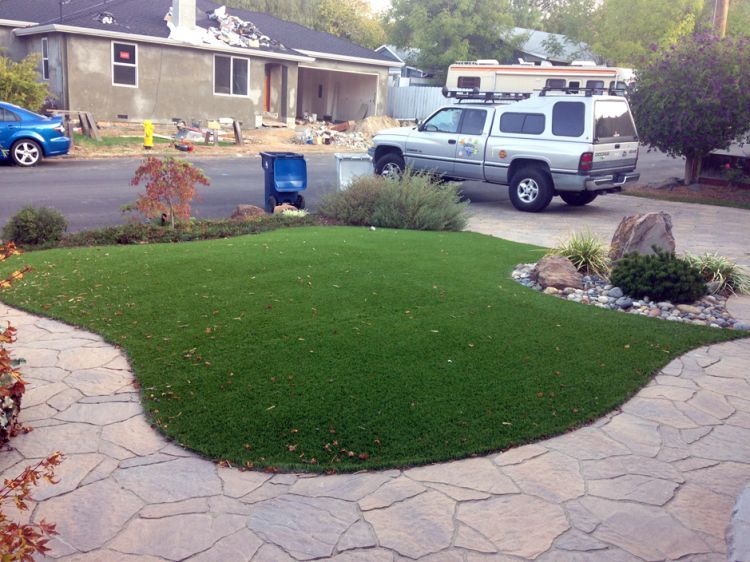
709,311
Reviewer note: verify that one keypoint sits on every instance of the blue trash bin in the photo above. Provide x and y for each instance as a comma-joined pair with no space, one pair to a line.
285,178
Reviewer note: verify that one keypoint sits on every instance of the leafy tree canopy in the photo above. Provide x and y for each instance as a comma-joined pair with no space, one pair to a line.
445,32
694,97
19,82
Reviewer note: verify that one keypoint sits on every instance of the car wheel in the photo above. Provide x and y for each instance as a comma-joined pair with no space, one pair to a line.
390,165
300,202
531,190
577,198
271,204
26,153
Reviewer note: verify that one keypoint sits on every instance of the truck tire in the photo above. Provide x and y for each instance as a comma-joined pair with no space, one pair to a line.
531,190
390,165
577,198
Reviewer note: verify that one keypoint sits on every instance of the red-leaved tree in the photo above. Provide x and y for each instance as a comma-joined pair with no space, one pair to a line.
170,187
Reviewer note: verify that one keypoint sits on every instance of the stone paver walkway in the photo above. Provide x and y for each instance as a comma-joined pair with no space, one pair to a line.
656,480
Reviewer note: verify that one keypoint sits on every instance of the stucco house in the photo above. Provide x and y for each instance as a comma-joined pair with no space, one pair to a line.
191,60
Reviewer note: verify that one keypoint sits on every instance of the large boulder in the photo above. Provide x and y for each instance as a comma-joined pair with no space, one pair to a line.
246,212
639,233
279,209
557,272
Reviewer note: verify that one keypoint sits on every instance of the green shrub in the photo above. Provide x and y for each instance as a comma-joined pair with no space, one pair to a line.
414,201
585,251
722,274
35,225
661,277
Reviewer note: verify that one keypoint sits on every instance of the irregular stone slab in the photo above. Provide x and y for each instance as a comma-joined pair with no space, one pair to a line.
608,555
58,343
554,477
50,374
84,358
476,474
65,399
659,411
9,459
702,510
98,382
242,545
577,541
666,391
176,480
369,555
626,524
103,470
639,233
237,484
350,487
458,494
135,435
159,510
587,443
176,537
731,366
667,380
415,527
620,466
73,437
634,487
90,516
724,443
140,461
518,525
119,363
53,326
727,387
391,492
100,414
304,527
558,272
471,539
38,413
272,553
712,403
359,535
519,454
108,556
692,435
693,463
225,504
36,357
266,492
739,419
36,394
738,532
727,478
68,476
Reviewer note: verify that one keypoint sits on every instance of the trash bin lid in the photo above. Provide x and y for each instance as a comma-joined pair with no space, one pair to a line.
352,156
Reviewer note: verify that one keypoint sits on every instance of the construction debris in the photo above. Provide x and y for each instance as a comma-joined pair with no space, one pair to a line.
239,33
350,134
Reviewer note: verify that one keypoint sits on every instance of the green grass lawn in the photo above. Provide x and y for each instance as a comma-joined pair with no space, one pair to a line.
342,348
83,140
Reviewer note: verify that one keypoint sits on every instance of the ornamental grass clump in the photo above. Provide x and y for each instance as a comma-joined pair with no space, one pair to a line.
721,274
661,277
585,251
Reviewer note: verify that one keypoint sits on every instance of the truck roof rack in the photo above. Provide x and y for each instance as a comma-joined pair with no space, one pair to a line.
593,87
474,94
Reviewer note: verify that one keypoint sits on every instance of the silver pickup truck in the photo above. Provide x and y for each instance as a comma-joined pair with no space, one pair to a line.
573,144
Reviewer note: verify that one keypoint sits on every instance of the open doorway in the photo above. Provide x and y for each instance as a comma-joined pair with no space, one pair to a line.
335,95
275,92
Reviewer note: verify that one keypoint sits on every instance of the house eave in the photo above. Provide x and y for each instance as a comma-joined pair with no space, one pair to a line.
15,23
344,58
56,28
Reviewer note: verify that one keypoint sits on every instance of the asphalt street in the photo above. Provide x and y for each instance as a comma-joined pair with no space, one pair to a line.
90,193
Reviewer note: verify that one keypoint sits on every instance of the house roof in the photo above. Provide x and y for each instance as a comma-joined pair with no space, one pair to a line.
538,43
146,18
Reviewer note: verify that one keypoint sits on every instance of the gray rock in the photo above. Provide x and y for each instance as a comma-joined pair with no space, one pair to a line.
624,302
615,292
639,233
741,326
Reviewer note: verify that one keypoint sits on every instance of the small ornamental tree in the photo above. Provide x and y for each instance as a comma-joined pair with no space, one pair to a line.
694,98
170,187
20,84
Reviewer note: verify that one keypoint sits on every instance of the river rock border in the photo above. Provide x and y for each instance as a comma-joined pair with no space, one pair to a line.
711,310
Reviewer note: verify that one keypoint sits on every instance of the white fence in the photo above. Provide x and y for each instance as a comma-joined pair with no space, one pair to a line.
414,102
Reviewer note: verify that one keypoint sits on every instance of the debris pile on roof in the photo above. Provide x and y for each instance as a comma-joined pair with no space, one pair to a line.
237,32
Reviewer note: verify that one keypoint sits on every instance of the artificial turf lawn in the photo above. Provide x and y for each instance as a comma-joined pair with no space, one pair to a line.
353,347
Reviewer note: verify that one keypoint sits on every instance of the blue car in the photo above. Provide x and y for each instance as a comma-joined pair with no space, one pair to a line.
27,137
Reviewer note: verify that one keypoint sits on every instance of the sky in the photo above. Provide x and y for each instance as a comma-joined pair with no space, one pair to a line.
380,5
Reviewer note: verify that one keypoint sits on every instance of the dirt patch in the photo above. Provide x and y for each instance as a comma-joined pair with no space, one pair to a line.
374,124
696,193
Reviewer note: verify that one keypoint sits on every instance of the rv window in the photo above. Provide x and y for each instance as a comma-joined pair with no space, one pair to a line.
445,121
473,123
613,120
469,81
568,118
524,123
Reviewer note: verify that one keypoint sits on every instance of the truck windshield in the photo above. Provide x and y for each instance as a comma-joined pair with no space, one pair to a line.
613,121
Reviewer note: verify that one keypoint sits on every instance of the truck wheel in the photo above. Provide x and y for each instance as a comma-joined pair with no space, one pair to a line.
531,190
390,165
26,152
577,198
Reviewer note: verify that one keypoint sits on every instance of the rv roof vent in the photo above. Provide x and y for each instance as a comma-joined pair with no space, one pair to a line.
583,63
555,83
487,61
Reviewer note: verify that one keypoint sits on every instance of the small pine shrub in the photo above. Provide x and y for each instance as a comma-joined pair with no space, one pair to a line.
662,276
35,225
585,251
721,273
414,201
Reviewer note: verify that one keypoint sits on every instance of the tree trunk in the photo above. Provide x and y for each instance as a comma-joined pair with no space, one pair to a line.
692,169
721,11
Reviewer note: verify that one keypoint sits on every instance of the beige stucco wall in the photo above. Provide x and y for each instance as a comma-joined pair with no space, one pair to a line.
173,82
10,46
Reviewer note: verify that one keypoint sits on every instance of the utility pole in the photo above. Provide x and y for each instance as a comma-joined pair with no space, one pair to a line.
721,10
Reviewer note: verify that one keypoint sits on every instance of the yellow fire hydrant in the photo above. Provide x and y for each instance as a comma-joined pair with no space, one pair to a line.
148,135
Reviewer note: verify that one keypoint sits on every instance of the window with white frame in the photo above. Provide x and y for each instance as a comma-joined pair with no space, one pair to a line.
45,59
125,64
231,76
